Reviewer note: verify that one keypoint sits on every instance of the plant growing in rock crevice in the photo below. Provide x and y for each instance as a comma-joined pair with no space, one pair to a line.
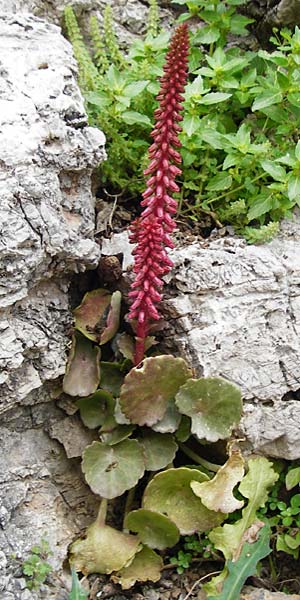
157,406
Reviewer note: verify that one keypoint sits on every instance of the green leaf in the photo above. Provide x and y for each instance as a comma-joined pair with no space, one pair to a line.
213,138
82,371
221,181
294,188
276,171
94,408
131,117
195,89
297,151
206,35
77,592
169,493
159,450
190,124
261,206
146,566
111,470
154,529
282,546
267,98
98,99
244,566
113,318
148,389
111,378
115,78
254,487
214,405
91,315
214,98
217,494
116,435
292,478
103,550
134,89
170,421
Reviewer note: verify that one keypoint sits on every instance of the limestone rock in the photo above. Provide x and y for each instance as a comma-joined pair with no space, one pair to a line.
250,593
235,311
42,496
47,152
130,16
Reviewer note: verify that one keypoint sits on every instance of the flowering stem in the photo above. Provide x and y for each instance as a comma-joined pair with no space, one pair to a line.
151,231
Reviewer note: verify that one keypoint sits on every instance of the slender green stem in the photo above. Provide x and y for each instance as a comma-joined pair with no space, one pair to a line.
198,459
240,187
101,517
128,503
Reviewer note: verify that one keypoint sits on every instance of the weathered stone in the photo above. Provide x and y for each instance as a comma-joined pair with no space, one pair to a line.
260,594
130,16
235,311
42,496
47,152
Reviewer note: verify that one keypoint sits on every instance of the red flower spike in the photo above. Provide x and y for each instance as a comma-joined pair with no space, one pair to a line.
150,232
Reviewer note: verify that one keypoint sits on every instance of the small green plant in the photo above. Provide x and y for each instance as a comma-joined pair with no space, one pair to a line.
36,568
283,511
193,548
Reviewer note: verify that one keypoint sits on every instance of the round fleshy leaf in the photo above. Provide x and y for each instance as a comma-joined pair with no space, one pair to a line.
214,405
83,371
113,319
119,416
147,390
125,345
94,409
170,421
146,566
217,494
111,470
184,430
118,434
103,550
111,378
159,450
170,493
90,315
154,529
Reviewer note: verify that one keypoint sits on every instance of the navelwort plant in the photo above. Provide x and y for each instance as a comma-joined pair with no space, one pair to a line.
240,132
148,412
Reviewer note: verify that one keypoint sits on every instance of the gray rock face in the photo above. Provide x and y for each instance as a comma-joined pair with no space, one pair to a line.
47,154
130,16
236,313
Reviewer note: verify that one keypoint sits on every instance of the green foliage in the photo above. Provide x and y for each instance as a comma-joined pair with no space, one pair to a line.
139,413
241,157
283,511
193,548
36,568
77,592
245,566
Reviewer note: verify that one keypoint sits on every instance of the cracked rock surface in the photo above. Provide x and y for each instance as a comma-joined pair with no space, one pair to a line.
236,314
47,154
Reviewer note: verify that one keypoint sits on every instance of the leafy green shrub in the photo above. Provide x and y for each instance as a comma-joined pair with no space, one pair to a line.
241,157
